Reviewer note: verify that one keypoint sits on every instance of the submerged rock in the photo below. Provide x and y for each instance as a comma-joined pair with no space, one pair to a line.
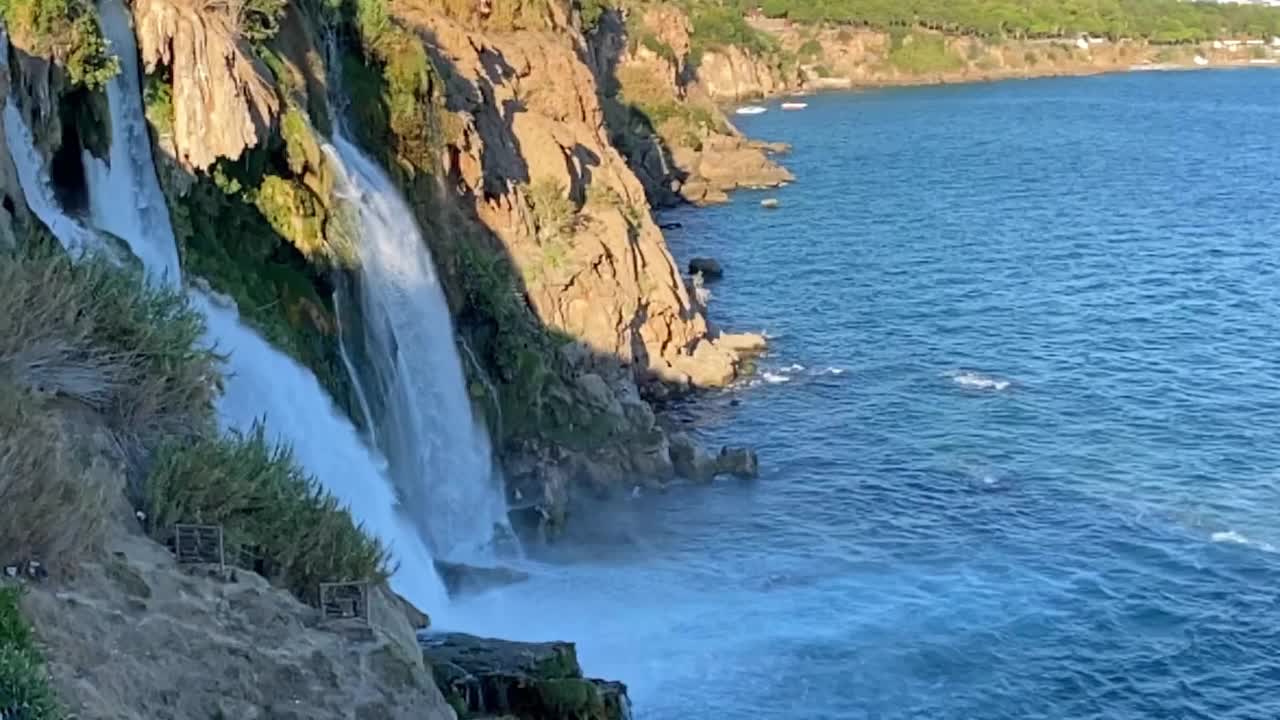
528,681
460,579
709,268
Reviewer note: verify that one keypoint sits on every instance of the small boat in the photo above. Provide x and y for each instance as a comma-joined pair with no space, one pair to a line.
752,110
794,105
770,203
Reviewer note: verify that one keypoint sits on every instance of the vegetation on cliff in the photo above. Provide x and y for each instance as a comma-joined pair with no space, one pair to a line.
277,520
97,335
1163,21
65,32
24,682
95,348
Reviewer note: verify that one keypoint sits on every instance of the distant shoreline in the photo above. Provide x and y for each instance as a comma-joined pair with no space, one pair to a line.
837,85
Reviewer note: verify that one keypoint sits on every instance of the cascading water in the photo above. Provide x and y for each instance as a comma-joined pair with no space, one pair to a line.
34,177
440,457
124,194
261,382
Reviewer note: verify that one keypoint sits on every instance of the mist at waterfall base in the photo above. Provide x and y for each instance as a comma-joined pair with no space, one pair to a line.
262,384
1019,426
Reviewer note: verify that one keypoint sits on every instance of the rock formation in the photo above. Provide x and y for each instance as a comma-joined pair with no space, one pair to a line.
524,681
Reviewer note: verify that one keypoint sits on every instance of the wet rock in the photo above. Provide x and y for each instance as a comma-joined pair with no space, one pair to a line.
460,579
709,268
691,461
526,681
739,462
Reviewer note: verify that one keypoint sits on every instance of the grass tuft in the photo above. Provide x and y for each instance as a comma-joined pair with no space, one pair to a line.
275,517
100,336
24,682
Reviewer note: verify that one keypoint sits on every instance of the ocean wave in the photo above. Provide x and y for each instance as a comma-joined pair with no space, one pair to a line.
978,381
775,378
1235,538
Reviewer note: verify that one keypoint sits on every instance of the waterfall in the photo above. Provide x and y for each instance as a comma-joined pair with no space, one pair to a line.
124,194
33,176
261,382
440,457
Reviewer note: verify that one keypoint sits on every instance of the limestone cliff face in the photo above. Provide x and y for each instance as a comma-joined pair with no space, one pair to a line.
223,97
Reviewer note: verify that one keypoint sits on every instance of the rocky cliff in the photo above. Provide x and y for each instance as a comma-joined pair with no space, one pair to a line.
802,57
571,313
661,116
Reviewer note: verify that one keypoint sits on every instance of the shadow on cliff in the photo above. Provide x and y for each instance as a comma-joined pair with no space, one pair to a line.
630,129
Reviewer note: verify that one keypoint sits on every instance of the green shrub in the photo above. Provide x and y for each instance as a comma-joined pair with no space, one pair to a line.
554,213
99,335
811,50
297,534
157,98
65,31
24,682
923,53
591,11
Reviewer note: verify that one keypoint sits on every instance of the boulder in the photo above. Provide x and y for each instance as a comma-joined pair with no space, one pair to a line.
739,462
709,268
691,461
526,681
460,579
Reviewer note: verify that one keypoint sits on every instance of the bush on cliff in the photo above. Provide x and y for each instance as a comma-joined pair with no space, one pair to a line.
66,32
277,519
24,682
96,334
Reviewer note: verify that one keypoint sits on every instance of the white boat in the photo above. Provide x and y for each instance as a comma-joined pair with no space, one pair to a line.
751,110
794,105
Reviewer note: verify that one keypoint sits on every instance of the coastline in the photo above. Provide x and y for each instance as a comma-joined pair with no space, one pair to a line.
838,85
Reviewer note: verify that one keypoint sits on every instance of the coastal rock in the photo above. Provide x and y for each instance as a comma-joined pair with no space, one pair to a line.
169,644
745,344
526,681
729,163
708,267
739,462
691,461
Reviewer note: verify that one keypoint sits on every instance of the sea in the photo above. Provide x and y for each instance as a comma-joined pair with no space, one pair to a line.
1019,422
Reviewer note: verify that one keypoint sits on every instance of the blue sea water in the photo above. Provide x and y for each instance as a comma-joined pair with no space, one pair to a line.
1019,425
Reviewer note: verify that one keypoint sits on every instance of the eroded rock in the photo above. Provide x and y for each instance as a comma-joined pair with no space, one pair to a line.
739,462
526,681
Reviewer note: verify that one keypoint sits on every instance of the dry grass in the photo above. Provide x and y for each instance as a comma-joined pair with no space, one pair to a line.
50,509
97,335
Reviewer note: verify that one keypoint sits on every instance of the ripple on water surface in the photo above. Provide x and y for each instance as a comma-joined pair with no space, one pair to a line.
1044,482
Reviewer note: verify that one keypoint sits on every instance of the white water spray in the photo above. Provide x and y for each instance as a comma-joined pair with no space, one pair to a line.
440,457
124,194
262,383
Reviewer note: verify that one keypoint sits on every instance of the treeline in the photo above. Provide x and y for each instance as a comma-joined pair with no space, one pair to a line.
1161,21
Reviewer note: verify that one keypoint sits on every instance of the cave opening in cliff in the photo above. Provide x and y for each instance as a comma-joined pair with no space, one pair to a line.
66,171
